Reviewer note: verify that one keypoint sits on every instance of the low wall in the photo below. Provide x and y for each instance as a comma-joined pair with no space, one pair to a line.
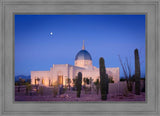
120,88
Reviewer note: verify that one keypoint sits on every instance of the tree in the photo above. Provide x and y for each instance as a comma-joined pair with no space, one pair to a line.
122,79
90,82
28,88
85,81
20,82
68,81
97,84
127,68
74,81
110,78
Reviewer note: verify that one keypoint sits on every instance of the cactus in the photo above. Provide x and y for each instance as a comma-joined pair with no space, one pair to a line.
79,84
103,80
107,83
143,89
137,73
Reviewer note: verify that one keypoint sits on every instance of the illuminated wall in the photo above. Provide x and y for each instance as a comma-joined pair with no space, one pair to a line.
49,78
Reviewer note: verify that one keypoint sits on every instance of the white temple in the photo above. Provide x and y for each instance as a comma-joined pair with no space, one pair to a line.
60,72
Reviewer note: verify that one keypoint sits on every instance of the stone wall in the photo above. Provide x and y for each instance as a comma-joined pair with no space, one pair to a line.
41,75
119,88
70,71
114,72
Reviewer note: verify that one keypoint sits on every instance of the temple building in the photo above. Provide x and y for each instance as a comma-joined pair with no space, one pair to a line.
60,72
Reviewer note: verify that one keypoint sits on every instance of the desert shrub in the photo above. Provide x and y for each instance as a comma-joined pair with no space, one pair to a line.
122,79
110,78
97,84
125,91
41,90
55,91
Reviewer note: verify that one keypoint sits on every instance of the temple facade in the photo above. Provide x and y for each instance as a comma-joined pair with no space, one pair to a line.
60,72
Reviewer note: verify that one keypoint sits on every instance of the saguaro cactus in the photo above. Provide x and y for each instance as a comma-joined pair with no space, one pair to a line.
103,79
79,84
107,83
137,73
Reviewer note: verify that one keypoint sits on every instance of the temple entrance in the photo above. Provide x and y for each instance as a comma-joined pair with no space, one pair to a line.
60,79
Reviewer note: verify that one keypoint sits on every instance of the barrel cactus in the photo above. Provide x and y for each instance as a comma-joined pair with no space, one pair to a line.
79,84
103,80
137,73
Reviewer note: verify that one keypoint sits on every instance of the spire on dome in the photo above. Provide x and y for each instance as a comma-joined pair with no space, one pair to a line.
83,47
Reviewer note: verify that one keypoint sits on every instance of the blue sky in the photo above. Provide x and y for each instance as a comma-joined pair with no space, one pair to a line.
105,36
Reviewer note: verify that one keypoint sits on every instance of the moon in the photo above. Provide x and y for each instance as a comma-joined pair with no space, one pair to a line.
51,33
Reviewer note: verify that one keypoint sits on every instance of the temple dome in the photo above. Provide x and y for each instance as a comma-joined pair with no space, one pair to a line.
83,58
83,55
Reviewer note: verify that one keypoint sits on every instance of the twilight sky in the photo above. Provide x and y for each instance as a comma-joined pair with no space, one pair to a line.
105,36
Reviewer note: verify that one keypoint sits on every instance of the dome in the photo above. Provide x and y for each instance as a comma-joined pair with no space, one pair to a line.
83,58
83,55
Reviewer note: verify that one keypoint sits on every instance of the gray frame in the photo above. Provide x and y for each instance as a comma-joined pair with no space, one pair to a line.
7,10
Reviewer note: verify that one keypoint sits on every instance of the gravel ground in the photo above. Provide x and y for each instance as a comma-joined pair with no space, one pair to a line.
71,96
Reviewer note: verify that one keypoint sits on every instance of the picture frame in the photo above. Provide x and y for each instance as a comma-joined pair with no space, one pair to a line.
10,7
